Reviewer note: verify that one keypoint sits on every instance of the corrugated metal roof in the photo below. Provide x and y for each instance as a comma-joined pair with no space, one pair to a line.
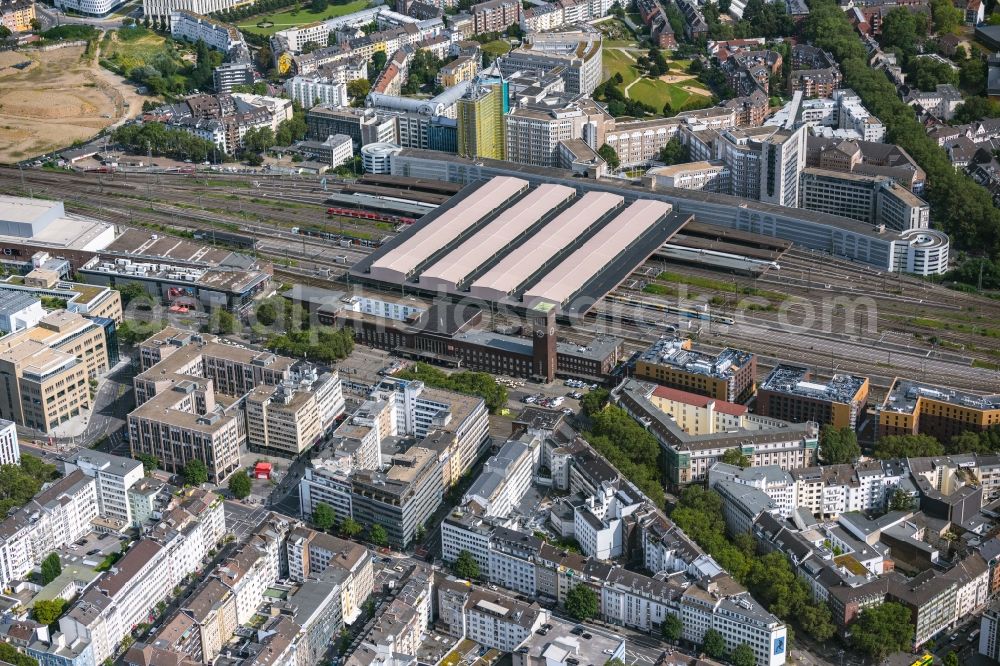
514,269
405,257
495,236
597,253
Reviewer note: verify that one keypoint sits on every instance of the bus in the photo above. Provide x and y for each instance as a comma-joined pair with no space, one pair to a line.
926,660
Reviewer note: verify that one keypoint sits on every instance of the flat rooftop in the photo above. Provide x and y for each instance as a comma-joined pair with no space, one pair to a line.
668,351
904,394
794,380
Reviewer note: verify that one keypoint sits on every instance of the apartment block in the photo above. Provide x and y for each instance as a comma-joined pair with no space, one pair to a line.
727,376
788,394
60,514
912,407
495,15
10,450
312,90
195,27
500,622
16,15
310,553
115,477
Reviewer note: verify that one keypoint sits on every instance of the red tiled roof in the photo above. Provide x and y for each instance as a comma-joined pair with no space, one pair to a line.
698,400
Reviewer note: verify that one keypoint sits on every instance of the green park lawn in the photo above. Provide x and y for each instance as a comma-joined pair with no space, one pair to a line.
295,16
616,62
496,48
653,92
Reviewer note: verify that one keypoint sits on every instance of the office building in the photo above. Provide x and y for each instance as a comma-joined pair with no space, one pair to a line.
480,115
188,399
912,408
505,479
500,622
48,369
788,393
364,126
310,553
288,418
706,176
728,376
19,311
88,300
577,54
534,130
988,644
877,200
694,432
402,498
866,158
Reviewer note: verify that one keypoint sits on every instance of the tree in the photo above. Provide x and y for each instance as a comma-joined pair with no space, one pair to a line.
323,516
10,655
927,74
582,603
131,291
946,16
881,630
673,628
377,535
951,659
264,58
149,462
350,528
239,484
471,383
594,401
674,152
838,445
736,457
900,500
466,566
195,473
899,29
976,108
258,140
358,90
47,611
318,6
224,322
713,644
609,155
908,446
743,655
51,568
